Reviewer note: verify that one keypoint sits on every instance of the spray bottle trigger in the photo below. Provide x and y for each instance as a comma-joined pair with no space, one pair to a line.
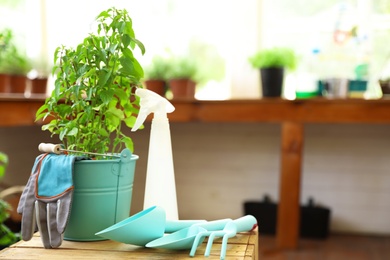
151,102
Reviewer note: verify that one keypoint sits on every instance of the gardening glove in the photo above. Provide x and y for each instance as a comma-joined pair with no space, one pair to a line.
47,197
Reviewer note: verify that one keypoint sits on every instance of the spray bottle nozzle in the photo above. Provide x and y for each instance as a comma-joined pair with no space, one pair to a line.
151,102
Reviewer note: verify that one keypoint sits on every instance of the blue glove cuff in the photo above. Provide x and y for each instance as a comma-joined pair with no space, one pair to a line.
55,176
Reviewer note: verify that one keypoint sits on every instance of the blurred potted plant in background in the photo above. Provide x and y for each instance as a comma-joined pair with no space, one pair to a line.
19,66
7,237
187,72
272,63
182,76
384,77
5,39
39,76
210,65
156,75
14,63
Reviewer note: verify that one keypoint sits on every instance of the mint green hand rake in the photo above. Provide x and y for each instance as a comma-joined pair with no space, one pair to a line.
246,223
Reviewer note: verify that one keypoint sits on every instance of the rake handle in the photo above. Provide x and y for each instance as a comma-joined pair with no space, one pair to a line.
214,224
246,223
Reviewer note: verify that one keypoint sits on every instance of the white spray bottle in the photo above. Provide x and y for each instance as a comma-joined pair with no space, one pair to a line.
160,188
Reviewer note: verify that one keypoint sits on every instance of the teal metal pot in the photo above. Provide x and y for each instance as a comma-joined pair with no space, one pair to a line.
102,195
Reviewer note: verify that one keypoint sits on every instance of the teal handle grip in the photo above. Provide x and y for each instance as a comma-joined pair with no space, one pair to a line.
246,223
175,225
215,224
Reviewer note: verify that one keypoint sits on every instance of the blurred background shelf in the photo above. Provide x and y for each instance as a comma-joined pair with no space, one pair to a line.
291,114
16,110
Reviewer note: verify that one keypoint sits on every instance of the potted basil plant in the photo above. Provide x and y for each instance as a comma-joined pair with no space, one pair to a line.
272,64
92,101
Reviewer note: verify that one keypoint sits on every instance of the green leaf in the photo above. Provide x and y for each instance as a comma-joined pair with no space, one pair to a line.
73,132
103,132
87,73
90,93
3,158
104,75
107,95
128,54
3,163
129,143
113,104
104,14
116,112
83,118
130,121
64,110
41,112
138,68
140,45
127,66
126,40
129,28
63,133
113,47
97,108
112,122
130,65
121,95
50,126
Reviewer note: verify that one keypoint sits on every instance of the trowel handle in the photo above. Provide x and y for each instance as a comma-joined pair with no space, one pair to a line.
246,223
175,225
215,224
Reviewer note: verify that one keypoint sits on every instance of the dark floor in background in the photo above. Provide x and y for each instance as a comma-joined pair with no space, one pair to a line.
335,247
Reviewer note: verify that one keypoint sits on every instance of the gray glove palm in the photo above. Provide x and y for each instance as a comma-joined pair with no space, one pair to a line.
47,197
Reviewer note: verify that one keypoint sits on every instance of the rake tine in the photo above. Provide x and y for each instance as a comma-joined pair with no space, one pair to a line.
210,227
231,228
224,245
196,241
211,239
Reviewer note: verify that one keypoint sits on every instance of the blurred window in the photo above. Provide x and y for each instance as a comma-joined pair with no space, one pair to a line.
219,34
351,37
